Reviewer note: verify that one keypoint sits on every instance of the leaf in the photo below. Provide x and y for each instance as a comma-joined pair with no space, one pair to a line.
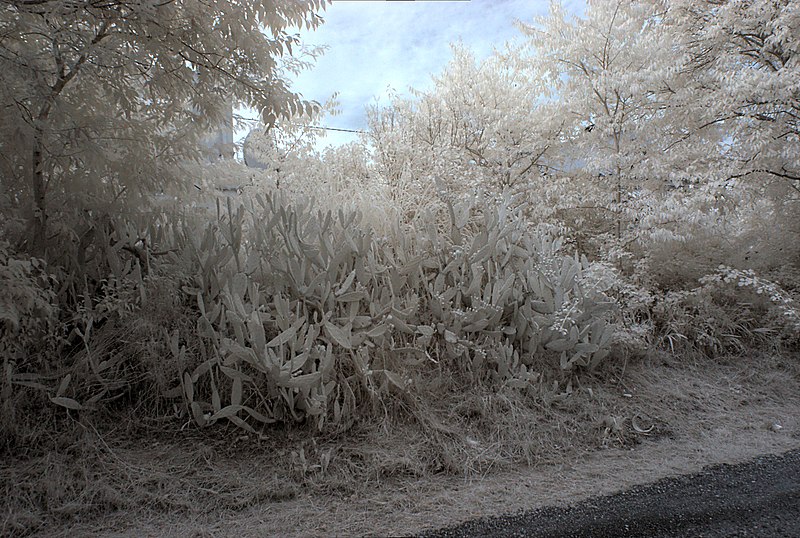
477,326
232,410
398,323
31,384
197,413
69,403
517,384
105,365
568,276
296,363
233,373
543,307
338,335
258,416
352,297
577,358
286,335
303,382
173,344
216,404
425,330
477,276
226,412
346,284
62,388
395,379
204,329
236,391
558,297
256,329
96,398
241,423
337,411
586,348
378,330
203,368
252,262
238,284
559,344
597,357
608,334
573,334
188,387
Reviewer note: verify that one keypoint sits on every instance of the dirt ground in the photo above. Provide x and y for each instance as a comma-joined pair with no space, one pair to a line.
665,418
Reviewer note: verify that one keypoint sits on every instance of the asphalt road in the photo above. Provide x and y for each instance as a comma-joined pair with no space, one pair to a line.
758,498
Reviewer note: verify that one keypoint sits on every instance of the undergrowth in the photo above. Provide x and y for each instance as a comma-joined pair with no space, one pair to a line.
269,311
456,347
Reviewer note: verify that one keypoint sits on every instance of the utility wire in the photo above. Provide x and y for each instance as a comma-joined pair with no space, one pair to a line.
319,128
335,129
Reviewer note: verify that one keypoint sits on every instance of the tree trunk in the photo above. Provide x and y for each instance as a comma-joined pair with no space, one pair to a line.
618,194
38,182
38,223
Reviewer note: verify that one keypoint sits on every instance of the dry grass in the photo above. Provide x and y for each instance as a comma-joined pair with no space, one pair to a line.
453,458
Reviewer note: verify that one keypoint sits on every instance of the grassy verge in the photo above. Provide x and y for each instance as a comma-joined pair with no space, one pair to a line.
451,459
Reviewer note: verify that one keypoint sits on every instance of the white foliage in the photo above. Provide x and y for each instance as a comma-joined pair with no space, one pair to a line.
102,100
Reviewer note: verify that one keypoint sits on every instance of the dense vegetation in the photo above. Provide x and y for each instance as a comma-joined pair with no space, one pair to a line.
623,182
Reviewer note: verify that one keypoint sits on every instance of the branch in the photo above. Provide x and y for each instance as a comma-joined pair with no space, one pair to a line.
784,175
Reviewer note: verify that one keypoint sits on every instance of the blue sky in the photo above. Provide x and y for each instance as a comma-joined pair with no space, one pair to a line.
374,45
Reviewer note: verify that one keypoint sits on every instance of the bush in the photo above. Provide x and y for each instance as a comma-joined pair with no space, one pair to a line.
27,303
311,316
731,311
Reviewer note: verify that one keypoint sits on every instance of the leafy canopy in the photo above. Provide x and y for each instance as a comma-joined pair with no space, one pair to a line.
103,97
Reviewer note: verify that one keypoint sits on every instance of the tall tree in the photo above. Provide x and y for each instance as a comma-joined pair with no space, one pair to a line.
613,75
604,72
100,97
475,128
744,62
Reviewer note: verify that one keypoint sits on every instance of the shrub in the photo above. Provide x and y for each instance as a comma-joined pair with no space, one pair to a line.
732,310
304,315
27,303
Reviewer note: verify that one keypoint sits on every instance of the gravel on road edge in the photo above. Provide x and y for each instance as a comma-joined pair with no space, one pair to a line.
757,498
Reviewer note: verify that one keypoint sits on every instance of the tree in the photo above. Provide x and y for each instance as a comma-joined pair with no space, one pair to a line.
475,129
288,143
744,62
604,73
687,112
601,74
618,76
100,99
489,113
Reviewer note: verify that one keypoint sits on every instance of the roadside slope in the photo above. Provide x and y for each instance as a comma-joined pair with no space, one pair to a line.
707,413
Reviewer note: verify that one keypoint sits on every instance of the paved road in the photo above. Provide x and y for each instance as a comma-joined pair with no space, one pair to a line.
755,499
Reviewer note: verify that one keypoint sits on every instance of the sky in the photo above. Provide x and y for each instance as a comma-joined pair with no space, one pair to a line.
378,44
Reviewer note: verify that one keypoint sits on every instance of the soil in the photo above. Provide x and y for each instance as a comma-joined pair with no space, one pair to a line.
758,498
